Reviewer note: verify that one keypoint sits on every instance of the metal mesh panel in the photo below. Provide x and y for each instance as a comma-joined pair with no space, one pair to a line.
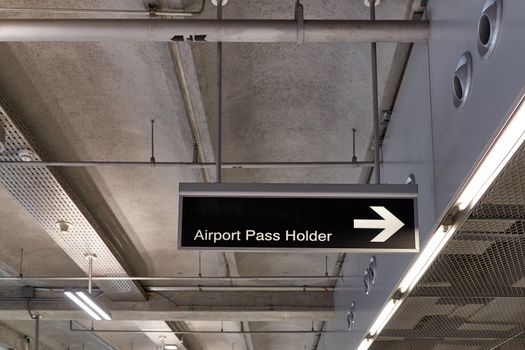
473,295
514,344
48,200
427,344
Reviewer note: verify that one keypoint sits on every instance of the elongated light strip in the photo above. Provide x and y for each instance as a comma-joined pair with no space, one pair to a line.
86,308
423,261
365,344
87,303
507,143
94,305
426,258
384,316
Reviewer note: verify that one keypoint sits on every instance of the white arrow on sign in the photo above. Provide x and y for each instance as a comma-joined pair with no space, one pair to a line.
390,224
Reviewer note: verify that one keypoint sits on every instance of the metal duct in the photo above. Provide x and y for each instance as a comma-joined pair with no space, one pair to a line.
45,196
213,30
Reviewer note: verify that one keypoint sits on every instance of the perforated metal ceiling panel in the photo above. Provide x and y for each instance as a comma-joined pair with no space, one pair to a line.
473,296
47,198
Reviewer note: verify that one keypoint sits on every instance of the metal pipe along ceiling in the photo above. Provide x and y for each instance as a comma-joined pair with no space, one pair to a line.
151,12
177,278
18,30
228,165
220,331
99,12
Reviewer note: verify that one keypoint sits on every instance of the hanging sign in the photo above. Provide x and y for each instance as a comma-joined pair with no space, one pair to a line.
291,217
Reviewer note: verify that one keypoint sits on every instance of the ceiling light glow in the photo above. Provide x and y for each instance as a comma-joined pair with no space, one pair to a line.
385,315
171,347
92,303
88,304
425,258
507,143
79,302
365,344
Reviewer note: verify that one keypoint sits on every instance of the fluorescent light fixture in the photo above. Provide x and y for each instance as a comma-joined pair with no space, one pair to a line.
93,304
171,347
504,147
425,258
88,304
384,316
79,302
365,344
507,143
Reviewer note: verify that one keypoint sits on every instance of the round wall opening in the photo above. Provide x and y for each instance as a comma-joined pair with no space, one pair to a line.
462,80
489,27
458,88
484,30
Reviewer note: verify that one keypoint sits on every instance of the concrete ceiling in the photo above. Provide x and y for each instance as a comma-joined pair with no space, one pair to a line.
94,101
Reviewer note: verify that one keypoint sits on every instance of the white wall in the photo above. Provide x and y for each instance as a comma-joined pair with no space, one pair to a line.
460,136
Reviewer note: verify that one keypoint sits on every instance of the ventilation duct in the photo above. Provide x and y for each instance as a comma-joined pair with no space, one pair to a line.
462,81
489,27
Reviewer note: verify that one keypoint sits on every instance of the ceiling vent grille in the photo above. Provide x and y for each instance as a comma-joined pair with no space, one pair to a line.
42,192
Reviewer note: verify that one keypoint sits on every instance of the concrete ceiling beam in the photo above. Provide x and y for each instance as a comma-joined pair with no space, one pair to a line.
12,339
237,315
62,205
206,306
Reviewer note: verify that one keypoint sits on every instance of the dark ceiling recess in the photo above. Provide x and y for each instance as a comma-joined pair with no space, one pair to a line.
473,296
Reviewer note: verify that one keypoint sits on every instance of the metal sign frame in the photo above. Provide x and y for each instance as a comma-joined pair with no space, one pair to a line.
336,191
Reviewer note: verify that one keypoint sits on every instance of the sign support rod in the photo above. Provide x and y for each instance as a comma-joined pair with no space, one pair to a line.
375,97
37,332
218,156
90,258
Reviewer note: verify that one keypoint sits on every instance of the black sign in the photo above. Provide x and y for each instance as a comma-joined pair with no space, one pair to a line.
289,217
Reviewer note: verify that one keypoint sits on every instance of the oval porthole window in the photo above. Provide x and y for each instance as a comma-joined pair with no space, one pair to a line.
462,80
489,27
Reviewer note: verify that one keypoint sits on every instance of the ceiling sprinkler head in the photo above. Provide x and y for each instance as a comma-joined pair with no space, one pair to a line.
215,2
64,226
26,155
367,2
